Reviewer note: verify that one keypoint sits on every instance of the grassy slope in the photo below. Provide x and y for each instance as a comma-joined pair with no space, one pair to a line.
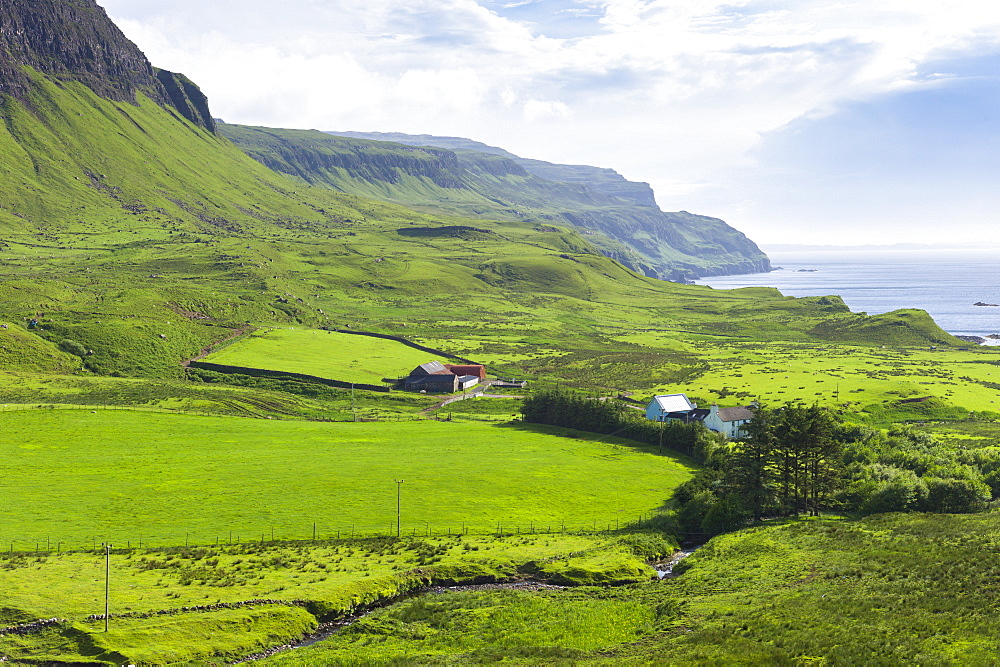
890,589
483,627
178,239
332,578
475,184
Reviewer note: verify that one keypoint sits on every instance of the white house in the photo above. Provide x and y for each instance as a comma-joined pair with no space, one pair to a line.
728,421
666,407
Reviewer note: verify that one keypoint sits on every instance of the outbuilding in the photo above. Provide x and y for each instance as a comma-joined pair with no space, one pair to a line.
435,377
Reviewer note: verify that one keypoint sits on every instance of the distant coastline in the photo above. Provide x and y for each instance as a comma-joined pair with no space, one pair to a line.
947,282
806,247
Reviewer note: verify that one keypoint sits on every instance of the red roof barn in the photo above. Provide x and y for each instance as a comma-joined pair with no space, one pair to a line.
469,369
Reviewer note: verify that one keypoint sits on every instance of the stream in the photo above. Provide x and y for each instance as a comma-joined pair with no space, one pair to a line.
327,630
664,570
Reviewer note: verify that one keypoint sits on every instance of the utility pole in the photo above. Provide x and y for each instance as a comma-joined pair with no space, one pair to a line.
399,485
107,584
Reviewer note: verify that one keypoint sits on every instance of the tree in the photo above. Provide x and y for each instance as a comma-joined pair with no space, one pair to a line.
789,460
750,469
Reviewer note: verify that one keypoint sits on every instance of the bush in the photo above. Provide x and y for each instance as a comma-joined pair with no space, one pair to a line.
72,347
956,496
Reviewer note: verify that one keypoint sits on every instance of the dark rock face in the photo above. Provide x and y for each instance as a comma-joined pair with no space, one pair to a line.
187,98
74,40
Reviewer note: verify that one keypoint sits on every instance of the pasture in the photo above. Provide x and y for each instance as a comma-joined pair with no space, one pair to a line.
184,605
328,354
850,376
890,589
483,627
74,478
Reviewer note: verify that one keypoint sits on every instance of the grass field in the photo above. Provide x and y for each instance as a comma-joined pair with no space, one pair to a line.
154,592
77,477
151,580
851,376
483,627
886,590
327,354
889,589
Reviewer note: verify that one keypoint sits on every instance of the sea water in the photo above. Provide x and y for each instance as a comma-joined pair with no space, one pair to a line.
945,283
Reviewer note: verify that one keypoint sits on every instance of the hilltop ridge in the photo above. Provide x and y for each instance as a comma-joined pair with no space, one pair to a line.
464,177
603,180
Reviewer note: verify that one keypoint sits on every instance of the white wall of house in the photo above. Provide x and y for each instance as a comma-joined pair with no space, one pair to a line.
730,428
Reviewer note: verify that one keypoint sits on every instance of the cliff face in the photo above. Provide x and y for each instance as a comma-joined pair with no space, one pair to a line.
74,40
467,178
604,181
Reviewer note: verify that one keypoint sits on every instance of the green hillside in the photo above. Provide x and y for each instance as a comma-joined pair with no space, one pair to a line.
618,216
144,238
137,238
134,238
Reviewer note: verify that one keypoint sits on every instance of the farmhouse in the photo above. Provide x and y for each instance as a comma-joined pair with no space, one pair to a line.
673,407
728,421
678,407
435,377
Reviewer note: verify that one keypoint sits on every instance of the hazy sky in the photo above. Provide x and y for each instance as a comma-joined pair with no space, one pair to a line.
799,121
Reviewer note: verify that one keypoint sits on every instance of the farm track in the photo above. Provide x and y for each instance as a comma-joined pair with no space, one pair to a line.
479,392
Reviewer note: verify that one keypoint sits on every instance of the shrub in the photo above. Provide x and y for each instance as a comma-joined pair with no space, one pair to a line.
73,347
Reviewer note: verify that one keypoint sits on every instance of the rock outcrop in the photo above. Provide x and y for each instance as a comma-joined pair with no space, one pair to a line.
74,40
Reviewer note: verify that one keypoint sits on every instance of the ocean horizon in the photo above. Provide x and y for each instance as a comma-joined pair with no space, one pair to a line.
944,282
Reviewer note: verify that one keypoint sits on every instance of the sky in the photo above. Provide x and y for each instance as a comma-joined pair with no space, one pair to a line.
796,121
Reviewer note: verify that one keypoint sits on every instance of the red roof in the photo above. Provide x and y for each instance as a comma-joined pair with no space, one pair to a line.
468,369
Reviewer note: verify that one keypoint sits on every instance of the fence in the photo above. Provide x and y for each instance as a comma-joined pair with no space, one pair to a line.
262,372
315,535
342,416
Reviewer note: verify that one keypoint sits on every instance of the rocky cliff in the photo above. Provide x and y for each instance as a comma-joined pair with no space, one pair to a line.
74,40
604,181
467,178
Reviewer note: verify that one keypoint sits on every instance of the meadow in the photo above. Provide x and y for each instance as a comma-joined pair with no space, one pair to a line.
179,605
327,354
889,589
484,627
168,479
851,377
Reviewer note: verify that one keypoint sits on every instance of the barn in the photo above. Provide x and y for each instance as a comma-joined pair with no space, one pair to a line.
438,378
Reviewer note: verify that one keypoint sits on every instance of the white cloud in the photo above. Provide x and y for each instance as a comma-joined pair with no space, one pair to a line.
539,109
676,92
